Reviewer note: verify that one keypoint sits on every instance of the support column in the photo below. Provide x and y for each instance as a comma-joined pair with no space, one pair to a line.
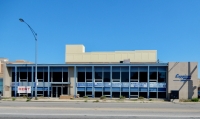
120,80
129,68
48,81
16,81
75,82
93,95
148,83
110,81
33,84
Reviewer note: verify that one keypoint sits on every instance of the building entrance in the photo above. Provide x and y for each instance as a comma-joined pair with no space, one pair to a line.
58,90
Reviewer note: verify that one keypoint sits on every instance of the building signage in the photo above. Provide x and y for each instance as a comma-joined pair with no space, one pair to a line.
134,84
116,84
98,84
123,84
107,84
183,77
89,84
24,89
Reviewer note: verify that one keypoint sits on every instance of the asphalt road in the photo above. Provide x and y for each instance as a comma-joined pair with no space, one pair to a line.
89,110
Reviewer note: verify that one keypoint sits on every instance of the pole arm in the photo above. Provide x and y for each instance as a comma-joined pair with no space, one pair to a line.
33,32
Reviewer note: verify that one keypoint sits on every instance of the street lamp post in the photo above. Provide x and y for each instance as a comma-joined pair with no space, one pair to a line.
35,36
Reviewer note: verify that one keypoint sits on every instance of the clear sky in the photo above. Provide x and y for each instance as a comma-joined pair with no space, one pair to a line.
172,27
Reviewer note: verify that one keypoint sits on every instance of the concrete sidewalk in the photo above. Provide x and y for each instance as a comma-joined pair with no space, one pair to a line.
86,100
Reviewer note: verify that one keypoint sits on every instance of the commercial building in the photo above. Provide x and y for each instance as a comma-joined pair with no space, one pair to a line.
121,73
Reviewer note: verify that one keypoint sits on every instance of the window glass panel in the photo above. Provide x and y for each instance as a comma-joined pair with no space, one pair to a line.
81,76
40,69
153,75
98,75
153,69
134,69
115,75
65,76
115,69
29,76
124,69
13,76
163,69
56,69
106,69
65,69
23,75
57,76
88,69
134,75
143,69
125,76
46,77
40,75
98,69
161,76
143,76
106,76
88,75
81,69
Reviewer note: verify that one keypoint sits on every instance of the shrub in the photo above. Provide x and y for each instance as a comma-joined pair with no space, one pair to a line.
122,97
103,97
28,99
96,101
85,101
141,97
24,96
195,99
13,99
150,99
85,96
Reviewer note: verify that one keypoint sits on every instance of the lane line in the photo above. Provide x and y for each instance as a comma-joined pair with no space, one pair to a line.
97,115
105,109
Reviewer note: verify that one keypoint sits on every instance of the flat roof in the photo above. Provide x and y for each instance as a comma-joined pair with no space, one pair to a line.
91,64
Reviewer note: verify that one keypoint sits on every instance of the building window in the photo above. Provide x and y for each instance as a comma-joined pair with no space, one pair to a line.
124,74
143,74
116,74
81,74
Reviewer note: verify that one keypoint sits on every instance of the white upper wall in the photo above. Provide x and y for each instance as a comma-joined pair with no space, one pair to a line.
77,54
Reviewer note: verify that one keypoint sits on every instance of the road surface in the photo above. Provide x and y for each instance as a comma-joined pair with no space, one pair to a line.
90,110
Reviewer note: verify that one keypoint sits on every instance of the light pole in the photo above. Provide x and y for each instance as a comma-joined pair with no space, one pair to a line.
35,36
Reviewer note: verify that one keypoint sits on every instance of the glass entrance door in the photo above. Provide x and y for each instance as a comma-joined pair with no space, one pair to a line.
58,90
54,92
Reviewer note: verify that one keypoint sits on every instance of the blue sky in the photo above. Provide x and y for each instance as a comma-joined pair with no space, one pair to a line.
170,27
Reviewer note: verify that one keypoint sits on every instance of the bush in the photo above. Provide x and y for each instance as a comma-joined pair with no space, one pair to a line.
150,99
141,97
13,99
96,101
195,99
28,99
122,97
103,97
24,96
85,101
85,96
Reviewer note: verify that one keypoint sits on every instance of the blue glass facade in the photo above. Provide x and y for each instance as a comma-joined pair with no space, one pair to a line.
93,80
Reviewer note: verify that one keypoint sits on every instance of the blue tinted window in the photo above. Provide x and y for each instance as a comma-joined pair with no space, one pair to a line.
124,69
163,69
98,69
56,69
115,69
153,69
88,69
81,69
143,69
106,69
134,69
